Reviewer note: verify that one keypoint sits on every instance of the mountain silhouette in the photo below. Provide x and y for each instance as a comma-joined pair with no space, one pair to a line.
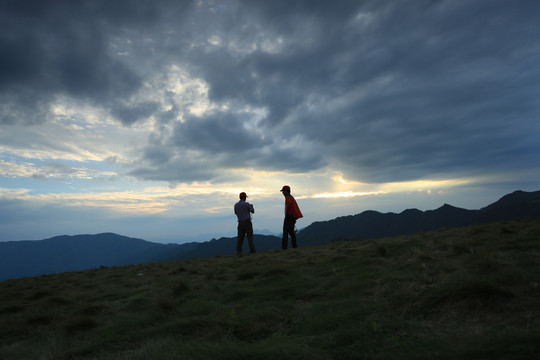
373,224
80,252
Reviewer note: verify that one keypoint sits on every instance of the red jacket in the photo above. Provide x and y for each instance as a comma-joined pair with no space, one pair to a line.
291,207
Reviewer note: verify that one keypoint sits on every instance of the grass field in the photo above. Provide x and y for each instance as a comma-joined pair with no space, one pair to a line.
469,293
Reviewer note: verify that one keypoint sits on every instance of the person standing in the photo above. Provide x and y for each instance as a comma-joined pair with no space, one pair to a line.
243,211
292,213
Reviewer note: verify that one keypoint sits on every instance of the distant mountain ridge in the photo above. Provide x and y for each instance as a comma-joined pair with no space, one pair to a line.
80,252
372,224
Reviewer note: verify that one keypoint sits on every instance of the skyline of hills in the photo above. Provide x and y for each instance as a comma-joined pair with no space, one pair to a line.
80,252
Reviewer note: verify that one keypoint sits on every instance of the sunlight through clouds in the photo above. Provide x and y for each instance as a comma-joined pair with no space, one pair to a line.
122,202
353,187
13,193
345,194
189,93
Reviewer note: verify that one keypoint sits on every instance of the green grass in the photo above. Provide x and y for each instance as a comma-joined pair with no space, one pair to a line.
450,294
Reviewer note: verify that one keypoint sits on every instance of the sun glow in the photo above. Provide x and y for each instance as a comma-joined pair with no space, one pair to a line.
345,194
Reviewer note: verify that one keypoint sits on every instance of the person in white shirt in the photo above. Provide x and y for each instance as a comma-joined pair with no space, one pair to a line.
243,211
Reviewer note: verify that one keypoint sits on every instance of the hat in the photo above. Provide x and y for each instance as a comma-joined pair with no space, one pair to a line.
286,188
243,195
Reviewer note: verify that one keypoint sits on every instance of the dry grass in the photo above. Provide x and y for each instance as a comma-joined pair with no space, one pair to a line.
453,293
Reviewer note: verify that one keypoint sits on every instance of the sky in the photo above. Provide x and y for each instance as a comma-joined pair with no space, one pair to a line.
148,118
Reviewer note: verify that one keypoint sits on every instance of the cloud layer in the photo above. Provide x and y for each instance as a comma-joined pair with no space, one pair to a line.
225,92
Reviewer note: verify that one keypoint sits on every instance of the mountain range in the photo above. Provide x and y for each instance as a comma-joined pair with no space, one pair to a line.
80,252
373,224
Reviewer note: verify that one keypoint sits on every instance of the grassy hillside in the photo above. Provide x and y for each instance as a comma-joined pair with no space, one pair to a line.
454,293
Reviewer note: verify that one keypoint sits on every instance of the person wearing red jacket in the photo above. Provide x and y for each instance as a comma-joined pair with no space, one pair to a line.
292,213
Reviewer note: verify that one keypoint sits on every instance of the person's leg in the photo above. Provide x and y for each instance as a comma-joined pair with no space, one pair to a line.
285,238
250,237
293,234
240,241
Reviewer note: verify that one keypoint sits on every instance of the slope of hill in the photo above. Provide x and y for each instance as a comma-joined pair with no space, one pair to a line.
464,293
227,246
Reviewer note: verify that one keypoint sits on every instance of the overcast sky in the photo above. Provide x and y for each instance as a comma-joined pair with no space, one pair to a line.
147,118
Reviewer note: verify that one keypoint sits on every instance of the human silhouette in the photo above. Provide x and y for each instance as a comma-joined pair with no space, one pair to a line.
292,213
243,211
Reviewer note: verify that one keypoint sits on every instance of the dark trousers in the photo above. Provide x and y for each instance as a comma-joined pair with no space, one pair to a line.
245,227
288,229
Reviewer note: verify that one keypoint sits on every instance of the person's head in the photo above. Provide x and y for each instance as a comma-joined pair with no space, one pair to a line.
286,189
243,196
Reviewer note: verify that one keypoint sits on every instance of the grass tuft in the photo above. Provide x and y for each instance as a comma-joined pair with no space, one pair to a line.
79,324
180,288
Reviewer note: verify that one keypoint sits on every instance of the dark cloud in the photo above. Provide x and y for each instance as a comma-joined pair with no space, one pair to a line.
63,48
180,167
219,132
202,148
132,113
385,91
